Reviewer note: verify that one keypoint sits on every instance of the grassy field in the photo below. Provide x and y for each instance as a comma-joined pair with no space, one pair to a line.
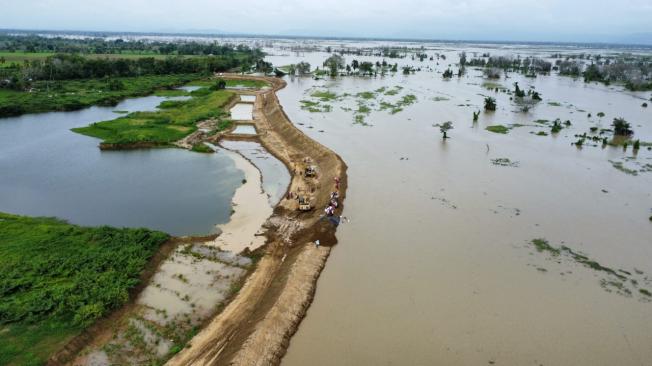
173,121
58,278
255,84
76,94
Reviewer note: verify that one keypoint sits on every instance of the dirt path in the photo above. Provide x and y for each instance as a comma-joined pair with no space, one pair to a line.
255,328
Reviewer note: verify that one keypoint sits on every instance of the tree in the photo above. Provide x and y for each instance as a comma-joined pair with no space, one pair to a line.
445,127
489,104
367,68
448,74
219,85
621,127
292,70
334,64
518,92
303,68
355,64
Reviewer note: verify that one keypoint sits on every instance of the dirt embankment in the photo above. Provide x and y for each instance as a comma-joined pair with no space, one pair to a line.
255,328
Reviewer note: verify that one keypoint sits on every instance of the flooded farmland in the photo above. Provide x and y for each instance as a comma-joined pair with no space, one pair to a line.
440,263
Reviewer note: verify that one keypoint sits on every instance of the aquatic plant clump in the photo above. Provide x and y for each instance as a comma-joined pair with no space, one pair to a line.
497,129
621,281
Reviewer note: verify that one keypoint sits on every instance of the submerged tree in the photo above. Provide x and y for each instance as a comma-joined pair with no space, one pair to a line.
303,68
621,127
334,64
444,128
448,74
489,104
476,115
517,91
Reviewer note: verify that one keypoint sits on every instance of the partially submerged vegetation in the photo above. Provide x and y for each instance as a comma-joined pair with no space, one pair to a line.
69,80
621,281
67,95
365,101
498,129
171,123
58,278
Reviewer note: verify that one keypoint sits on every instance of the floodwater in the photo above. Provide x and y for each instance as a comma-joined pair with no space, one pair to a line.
275,175
48,170
436,265
245,130
242,112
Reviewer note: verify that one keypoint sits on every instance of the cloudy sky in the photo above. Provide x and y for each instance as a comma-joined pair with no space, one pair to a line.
536,20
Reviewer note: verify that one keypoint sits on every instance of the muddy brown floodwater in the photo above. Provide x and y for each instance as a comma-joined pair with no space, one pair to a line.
436,265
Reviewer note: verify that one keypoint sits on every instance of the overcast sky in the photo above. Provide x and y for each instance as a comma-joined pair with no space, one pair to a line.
534,20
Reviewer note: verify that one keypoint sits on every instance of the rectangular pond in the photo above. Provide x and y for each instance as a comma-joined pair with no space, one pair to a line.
245,130
242,112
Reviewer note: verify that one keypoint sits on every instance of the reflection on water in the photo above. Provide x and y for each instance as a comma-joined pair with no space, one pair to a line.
47,170
436,266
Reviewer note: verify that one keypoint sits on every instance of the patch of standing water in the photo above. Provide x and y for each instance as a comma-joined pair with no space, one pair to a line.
248,98
276,177
244,130
48,170
242,112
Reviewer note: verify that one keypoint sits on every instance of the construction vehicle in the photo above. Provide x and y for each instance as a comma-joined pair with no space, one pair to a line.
304,204
311,171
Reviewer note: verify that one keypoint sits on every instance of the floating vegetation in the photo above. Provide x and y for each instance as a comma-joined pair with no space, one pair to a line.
504,162
541,121
366,95
541,133
631,166
364,100
497,129
619,281
492,85
315,107
324,95
554,104
439,99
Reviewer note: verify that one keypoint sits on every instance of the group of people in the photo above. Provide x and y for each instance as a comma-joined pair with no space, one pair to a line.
334,201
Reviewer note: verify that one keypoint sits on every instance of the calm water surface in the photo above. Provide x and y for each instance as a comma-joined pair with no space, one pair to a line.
47,170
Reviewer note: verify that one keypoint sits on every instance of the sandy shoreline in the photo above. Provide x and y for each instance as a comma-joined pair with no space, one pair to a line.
251,208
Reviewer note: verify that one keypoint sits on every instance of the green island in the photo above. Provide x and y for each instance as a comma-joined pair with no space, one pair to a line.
174,120
58,278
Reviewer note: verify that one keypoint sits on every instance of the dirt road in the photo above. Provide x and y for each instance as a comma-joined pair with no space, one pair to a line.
255,328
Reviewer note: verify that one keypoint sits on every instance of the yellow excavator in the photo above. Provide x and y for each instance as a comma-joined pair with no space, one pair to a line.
304,204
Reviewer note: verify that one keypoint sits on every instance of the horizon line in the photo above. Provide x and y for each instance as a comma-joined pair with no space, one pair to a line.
222,34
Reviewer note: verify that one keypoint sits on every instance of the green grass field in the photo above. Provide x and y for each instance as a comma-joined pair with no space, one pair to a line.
77,94
58,278
256,84
172,122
